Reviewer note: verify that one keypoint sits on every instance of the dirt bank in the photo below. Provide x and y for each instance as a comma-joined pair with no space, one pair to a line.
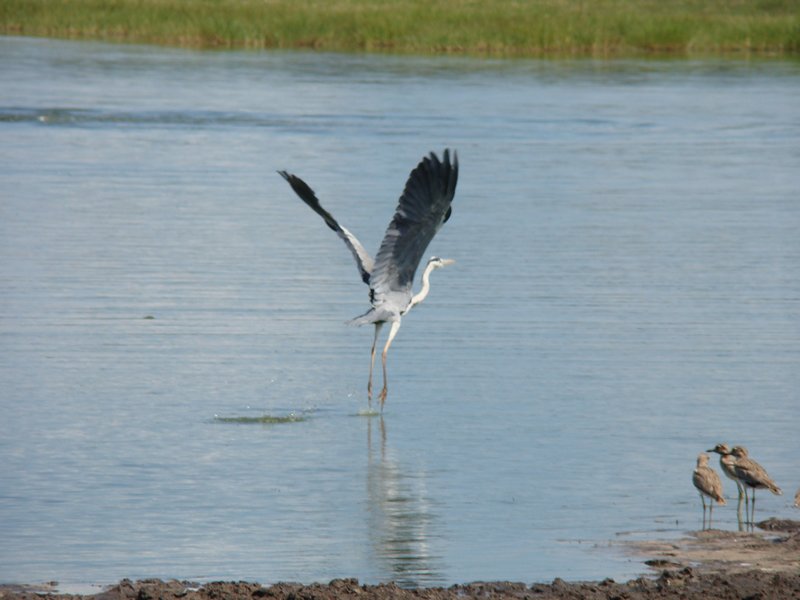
774,549
708,564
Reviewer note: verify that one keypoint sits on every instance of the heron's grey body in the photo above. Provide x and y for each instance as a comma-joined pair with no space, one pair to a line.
423,208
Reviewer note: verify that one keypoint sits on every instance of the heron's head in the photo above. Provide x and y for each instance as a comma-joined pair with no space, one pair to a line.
437,263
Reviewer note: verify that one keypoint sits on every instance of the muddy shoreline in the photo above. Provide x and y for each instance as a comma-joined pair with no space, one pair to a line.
705,564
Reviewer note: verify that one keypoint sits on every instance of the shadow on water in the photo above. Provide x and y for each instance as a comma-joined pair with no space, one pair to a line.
402,521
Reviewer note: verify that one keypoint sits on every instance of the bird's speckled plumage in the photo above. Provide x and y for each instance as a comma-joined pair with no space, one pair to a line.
752,474
706,480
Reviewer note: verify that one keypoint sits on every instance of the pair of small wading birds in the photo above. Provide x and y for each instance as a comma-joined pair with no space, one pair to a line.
423,208
739,467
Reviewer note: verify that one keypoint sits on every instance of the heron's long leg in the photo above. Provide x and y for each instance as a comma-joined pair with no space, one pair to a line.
392,332
378,326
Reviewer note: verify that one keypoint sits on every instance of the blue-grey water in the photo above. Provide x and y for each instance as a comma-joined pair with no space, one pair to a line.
626,295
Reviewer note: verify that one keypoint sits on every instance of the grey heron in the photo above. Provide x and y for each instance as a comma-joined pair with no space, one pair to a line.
708,483
423,208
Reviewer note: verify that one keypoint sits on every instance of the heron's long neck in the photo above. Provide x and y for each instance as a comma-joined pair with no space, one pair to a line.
426,287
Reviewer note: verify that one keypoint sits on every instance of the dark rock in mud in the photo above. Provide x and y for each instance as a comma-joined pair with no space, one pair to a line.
683,584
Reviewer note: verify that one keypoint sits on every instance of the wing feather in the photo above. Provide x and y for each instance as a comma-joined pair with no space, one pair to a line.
363,260
423,208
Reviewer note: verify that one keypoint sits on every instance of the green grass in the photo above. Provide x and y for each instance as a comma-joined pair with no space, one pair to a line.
504,27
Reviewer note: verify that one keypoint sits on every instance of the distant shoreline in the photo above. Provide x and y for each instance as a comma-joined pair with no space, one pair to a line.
552,28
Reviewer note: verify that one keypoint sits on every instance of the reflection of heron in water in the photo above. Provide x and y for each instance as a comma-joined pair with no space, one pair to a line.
423,208
402,523
708,483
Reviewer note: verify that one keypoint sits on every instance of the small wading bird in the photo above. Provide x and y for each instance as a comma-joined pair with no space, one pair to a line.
752,475
708,483
727,463
423,208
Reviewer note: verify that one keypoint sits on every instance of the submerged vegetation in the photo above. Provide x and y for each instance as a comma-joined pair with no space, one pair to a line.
263,419
505,27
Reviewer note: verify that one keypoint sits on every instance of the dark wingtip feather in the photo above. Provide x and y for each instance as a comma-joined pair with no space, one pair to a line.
450,168
307,195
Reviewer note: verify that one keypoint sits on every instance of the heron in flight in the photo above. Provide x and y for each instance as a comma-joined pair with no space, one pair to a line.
423,208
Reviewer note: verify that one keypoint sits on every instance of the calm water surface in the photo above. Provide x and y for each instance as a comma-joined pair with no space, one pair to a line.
626,294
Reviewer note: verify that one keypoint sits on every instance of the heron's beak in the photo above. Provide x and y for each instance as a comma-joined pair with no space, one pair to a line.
447,262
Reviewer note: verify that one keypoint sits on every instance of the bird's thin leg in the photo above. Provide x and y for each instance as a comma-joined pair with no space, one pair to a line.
739,505
742,523
703,500
753,510
710,512
378,326
392,332
746,507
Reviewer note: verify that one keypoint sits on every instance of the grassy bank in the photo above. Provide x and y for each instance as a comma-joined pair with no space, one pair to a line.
503,27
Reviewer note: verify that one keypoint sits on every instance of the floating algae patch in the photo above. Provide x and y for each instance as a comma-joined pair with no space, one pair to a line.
263,419
368,412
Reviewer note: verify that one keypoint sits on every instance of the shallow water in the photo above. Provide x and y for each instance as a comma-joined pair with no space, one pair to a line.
626,294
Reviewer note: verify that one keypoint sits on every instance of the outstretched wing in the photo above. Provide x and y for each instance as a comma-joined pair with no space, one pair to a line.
423,209
363,259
